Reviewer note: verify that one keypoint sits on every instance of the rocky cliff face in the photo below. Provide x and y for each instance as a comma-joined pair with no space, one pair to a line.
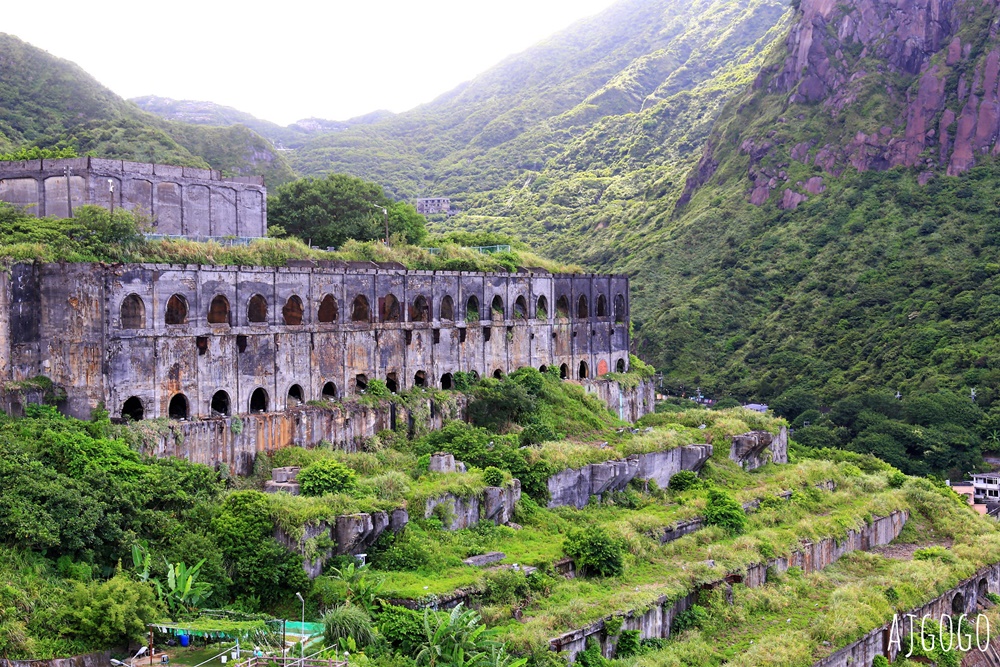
869,85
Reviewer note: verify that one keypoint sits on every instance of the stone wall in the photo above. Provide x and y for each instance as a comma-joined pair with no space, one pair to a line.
496,505
197,341
576,486
963,598
656,621
98,659
180,200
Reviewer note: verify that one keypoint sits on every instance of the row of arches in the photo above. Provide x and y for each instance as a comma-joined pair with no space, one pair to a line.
133,310
221,404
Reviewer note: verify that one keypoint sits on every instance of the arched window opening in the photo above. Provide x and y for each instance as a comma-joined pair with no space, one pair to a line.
447,382
360,382
177,310
520,308
392,382
475,376
958,605
582,311
258,400
620,366
472,309
564,371
602,306
178,408
498,374
420,311
496,308
330,391
360,310
220,404
562,307
327,310
388,309
542,308
296,396
543,369
133,312
292,311
447,309
218,311
257,309
133,410
584,370
420,379
619,308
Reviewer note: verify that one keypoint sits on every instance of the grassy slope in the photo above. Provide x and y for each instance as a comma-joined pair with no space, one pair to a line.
48,101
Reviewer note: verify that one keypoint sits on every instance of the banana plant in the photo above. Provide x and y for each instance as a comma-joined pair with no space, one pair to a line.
183,591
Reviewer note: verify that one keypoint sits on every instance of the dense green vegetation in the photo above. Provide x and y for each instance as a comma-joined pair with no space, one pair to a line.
95,235
52,103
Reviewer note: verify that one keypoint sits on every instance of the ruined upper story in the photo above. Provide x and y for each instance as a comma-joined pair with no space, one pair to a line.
179,200
192,341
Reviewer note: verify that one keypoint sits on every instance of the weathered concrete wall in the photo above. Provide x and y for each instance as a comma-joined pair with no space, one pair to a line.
576,486
756,448
630,404
963,598
656,621
496,505
98,659
180,200
148,335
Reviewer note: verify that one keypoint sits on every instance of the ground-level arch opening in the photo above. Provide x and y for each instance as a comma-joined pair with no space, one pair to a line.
584,370
447,382
392,382
620,366
420,379
258,400
220,404
360,382
178,408
330,391
543,369
296,396
133,410
564,371
498,374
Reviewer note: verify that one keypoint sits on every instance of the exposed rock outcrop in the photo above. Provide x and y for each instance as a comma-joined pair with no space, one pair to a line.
754,449
495,504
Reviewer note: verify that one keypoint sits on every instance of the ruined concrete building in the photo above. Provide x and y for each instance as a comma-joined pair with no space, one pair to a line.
196,342
180,200
431,205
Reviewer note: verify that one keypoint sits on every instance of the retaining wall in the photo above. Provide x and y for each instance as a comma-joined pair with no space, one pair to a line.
628,403
963,598
575,486
656,621
98,659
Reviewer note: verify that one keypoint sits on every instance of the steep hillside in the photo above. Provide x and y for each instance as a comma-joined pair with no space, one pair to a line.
48,101
603,110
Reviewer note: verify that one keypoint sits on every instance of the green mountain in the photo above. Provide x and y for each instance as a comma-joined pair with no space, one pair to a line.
47,101
195,112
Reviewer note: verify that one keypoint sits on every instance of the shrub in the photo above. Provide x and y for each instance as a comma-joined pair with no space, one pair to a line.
993,597
325,476
596,551
377,389
880,661
896,480
591,656
724,511
505,587
493,476
402,628
348,621
693,617
683,480
934,553
628,644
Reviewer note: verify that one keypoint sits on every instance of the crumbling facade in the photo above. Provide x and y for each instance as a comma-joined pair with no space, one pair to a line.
432,205
192,342
179,200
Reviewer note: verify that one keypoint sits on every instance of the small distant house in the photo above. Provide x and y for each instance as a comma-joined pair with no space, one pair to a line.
756,407
431,205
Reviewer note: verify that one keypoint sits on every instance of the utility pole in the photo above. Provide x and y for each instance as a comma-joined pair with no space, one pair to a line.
69,193
385,212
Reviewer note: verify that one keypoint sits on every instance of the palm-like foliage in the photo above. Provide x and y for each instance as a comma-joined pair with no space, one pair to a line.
459,639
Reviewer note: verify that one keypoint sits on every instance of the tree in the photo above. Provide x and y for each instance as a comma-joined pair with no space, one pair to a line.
332,210
596,551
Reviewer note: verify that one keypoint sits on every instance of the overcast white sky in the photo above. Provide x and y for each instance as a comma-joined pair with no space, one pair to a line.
283,61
